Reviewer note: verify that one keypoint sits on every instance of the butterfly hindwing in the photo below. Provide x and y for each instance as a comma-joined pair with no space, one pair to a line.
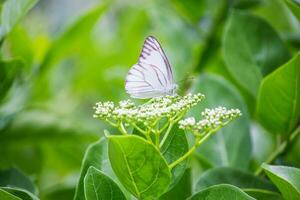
142,79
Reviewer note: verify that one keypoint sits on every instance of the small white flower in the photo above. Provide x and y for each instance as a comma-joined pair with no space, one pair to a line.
187,123
126,104
103,110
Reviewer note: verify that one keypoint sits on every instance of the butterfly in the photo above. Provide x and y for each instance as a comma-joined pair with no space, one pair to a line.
152,76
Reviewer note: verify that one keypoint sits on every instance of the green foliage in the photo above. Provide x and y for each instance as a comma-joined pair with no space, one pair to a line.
182,190
238,178
11,14
96,157
7,196
72,38
295,7
254,186
278,106
226,192
176,145
57,60
232,146
98,186
259,54
15,178
287,179
21,193
8,72
263,194
139,166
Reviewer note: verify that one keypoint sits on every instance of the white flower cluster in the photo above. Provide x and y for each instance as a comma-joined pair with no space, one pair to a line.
188,123
167,106
212,118
103,110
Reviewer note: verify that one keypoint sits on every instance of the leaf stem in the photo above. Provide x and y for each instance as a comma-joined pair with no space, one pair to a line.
279,150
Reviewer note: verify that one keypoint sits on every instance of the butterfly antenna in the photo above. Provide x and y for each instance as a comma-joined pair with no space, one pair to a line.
188,77
185,83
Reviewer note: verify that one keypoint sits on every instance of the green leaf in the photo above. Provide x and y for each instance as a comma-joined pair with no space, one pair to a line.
294,7
174,147
98,186
292,157
8,72
95,156
263,194
28,141
21,193
14,178
60,192
69,41
223,191
238,178
182,190
20,35
139,166
12,12
231,146
193,10
263,145
252,49
278,106
7,196
287,179
171,37
252,185
245,3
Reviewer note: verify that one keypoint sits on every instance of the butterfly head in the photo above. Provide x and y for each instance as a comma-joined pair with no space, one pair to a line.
172,91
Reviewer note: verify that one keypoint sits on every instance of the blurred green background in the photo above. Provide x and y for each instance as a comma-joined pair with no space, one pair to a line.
69,54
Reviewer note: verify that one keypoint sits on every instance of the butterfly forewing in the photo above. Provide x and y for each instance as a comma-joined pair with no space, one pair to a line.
152,53
152,75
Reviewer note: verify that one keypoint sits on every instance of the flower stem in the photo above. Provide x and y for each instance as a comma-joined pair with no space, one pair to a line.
111,123
186,155
166,134
122,129
198,142
173,121
164,127
118,125
279,150
148,137
138,128
157,137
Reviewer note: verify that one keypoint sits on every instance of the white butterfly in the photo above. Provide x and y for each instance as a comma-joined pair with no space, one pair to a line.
152,76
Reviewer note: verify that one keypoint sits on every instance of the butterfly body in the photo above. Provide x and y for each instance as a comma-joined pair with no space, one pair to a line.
152,76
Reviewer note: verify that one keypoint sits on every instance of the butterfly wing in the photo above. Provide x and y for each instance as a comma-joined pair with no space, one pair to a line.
153,54
145,81
152,76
